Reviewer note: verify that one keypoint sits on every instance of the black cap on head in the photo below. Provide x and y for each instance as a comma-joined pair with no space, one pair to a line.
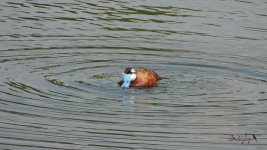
129,71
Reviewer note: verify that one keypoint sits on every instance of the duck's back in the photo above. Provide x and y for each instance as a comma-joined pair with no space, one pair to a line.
145,78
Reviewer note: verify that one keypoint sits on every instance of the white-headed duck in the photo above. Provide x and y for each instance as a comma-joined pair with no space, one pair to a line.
141,77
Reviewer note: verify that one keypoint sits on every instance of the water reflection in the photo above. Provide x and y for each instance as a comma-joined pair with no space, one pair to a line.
60,62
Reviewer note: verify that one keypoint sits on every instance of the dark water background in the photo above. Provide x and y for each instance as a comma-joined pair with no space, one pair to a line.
60,61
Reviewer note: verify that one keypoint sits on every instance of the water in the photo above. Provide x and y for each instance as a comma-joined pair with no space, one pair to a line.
60,61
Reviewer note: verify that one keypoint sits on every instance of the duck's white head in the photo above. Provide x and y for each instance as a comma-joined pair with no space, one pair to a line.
128,76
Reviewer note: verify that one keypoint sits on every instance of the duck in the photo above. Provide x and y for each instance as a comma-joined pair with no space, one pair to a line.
140,77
